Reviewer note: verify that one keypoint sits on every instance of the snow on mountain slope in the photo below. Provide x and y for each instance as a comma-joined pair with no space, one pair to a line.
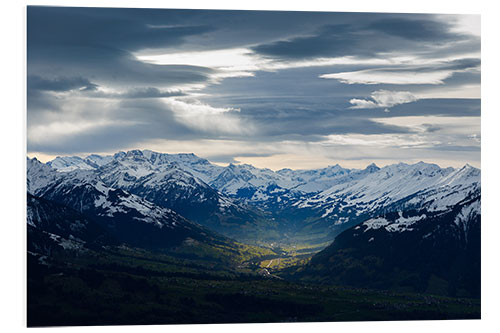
64,226
96,161
38,175
409,250
400,224
126,170
260,185
332,197
365,194
314,180
154,178
85,192
465,218
234,180
198,167
459,217
457,186
245,180
69,163
127,217
147,171
115,202
160,179
420,184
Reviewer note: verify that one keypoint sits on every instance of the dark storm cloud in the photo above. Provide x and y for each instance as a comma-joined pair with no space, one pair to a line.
36,82
124,29
362,40
98,44
107,66
332,41
415,29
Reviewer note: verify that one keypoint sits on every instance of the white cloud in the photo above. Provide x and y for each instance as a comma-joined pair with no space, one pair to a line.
389,76
234,59
467,24
383,99
375,140
207,118
243,62
462,91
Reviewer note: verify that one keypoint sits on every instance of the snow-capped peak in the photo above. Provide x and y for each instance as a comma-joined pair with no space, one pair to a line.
69,163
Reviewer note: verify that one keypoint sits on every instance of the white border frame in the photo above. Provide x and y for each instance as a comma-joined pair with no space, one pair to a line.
13,143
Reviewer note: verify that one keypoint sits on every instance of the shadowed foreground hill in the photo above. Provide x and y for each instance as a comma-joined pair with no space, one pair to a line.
419,251
131,287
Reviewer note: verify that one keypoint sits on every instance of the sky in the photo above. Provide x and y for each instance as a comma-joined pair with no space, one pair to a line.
274,89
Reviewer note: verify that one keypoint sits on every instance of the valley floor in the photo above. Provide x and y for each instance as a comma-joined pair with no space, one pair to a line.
124,286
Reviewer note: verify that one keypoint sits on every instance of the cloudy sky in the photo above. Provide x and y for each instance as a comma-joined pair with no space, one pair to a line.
273,89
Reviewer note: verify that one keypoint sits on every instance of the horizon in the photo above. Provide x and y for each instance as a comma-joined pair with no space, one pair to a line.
335,87
45,159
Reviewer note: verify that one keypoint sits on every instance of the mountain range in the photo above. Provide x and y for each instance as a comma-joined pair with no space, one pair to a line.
407,226
285,203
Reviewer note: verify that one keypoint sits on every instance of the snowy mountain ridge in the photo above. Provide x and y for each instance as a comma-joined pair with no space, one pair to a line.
332,199
244,180
408,186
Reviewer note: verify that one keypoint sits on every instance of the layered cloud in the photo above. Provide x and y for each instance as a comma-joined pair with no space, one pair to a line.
104,79
430,73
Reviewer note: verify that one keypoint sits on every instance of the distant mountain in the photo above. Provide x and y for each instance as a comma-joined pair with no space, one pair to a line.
246,202
70,163
159,179
415,250
124,216
313,181
365,193
199,167
242,180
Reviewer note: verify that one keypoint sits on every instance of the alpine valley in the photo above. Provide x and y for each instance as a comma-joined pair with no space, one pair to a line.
141,237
